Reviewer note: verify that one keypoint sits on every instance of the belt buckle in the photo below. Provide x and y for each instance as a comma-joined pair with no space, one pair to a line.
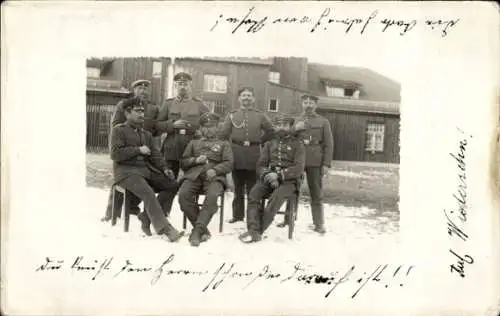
246,143
182,131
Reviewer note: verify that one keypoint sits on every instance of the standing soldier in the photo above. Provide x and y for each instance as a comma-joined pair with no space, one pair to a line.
205,163
280,169
316,134
245,126
179,117
140,90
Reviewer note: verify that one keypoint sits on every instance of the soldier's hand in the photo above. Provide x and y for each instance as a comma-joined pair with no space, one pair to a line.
145,150
211,174
201,159
180,124
324,170
170,174
270,177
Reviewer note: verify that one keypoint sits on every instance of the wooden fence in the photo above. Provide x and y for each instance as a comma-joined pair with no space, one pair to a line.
98,126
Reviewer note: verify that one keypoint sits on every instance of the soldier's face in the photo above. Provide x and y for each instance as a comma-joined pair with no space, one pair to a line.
135,115
210,130
183,87
246,98
142,92
308,105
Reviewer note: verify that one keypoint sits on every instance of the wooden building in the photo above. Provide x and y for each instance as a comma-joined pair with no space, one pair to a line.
362,105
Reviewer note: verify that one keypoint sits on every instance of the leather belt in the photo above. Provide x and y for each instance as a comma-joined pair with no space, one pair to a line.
246,143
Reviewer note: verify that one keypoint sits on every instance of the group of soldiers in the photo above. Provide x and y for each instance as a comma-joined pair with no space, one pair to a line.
149,145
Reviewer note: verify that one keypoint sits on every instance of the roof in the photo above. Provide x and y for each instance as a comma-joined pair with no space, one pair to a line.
109,86
239,60
353,105
373,86
287,87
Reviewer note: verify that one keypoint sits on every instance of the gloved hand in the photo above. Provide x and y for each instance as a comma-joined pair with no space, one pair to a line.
170,174
201,159
270,177
299,126
211,174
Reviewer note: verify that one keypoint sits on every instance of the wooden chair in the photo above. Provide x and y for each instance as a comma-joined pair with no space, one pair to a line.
115,213
290,213
220,204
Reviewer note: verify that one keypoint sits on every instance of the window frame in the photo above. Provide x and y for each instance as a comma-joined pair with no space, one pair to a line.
207,87
271,78
153,73
371,137
98,70
277,104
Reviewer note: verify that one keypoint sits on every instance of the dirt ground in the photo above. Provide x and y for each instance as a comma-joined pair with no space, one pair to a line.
356,184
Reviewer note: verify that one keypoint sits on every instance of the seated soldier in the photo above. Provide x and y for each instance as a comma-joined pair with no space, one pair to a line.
279,170
139,168
205,162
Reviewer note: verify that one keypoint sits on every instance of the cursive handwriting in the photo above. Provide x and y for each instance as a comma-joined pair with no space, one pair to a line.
250,22
459,267
225,272
456,217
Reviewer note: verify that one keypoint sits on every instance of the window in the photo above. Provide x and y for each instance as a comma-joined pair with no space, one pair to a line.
375,137
157,68
274,77
93,72
334,91
273,105
215,84
217,106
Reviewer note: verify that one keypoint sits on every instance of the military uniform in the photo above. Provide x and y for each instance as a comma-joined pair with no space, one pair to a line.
318,140
245,127
219,157
150,114
143,175
284,156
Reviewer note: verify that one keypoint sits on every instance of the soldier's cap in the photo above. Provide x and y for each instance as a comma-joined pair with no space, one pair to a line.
140,82
242,89
310,97
280,118
182,76
131,103
209,118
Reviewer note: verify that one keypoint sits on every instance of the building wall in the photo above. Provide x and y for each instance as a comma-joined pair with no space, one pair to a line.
349,134
293,71
142,68
105,98
289,99
238,75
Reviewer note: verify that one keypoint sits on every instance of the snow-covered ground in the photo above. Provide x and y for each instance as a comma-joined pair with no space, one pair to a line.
222,276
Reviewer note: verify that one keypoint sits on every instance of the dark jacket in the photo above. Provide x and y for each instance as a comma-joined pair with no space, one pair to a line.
285,156
188,109
246,125
127,159
219,157
318,140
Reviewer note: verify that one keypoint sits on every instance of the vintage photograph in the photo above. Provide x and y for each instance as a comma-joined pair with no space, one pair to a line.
241,150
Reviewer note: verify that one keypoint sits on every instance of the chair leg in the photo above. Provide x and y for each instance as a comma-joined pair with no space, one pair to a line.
292,210
221,214
126,212
114,211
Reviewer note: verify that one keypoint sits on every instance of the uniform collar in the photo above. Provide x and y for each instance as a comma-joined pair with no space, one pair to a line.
309,114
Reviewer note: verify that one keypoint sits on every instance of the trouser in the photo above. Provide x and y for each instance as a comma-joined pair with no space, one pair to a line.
156,208
133,200
315,184
243,180
258,222
188,193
